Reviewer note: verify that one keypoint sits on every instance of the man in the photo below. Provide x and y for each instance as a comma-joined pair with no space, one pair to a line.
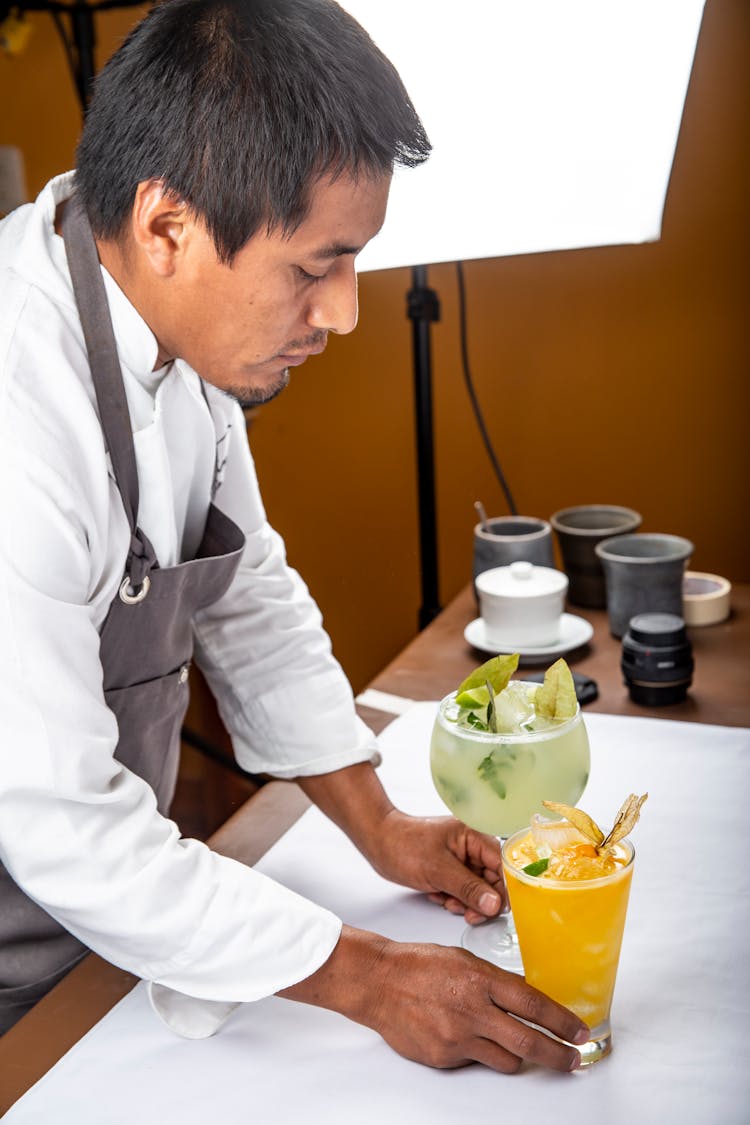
236,158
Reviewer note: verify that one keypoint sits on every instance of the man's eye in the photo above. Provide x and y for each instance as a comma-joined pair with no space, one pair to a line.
309,276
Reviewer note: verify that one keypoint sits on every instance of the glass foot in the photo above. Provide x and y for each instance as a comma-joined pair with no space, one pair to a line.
495,941
598,1046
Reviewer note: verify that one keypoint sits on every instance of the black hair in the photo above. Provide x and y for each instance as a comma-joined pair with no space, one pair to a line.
237,107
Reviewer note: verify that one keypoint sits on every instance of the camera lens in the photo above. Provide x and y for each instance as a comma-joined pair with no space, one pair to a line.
657,660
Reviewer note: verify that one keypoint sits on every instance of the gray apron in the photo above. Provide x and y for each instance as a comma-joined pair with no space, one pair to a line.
146,641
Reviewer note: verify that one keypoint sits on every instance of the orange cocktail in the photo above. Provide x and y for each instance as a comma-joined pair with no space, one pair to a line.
570,920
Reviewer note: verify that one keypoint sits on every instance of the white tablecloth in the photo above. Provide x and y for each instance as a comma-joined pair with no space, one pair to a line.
682,1009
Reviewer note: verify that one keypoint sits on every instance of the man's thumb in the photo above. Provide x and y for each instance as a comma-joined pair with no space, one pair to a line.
473,891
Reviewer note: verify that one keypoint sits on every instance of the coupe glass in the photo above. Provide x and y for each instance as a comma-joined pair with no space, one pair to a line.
495,782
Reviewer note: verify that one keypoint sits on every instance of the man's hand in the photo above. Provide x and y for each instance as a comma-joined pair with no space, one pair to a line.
442,1006
457,867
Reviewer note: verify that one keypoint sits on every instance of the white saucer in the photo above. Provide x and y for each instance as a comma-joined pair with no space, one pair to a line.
574,631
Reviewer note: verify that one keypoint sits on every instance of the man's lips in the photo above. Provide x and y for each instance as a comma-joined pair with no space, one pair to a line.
293,359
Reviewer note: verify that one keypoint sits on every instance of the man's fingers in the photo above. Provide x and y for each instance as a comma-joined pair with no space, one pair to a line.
453,906
483,851
539,1050
471,890
533,1007
491,1054
528,1044
473,875
494,878
473,918
446,1008
481,904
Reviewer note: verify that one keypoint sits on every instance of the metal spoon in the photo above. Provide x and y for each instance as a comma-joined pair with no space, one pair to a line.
482,514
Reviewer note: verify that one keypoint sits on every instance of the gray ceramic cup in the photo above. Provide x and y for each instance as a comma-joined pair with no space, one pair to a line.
643,574
509,539
578,531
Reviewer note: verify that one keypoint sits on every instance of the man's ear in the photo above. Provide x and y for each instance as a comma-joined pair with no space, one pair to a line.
160,225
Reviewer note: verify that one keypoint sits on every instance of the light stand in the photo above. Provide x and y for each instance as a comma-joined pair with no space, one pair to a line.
423,309
83,34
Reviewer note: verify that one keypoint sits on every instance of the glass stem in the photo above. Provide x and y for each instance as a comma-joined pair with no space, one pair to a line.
510,923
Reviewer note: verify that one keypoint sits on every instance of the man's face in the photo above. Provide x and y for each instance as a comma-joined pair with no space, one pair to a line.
242,327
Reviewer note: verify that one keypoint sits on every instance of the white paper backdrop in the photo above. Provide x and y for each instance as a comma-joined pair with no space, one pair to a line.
554,122
681,1010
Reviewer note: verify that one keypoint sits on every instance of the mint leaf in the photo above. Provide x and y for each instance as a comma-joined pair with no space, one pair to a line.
473,720
536,868
488,771
455,794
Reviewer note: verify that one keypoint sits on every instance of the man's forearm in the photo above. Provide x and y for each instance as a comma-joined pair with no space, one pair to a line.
440,856
348,981
354,799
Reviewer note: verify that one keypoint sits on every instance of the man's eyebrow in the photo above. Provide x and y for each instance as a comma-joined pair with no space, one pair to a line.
334,250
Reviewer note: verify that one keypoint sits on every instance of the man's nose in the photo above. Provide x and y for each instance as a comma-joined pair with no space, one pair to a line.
334,306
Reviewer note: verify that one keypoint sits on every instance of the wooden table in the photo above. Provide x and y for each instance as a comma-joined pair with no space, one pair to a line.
438,659
428,668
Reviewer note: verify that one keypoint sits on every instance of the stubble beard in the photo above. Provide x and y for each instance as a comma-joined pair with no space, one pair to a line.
248,396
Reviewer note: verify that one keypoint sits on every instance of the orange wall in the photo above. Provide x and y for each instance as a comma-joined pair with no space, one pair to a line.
610,375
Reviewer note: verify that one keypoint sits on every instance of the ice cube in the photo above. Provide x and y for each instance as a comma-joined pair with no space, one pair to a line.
513,707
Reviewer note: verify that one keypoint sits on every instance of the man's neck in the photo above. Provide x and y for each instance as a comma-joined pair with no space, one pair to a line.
114,261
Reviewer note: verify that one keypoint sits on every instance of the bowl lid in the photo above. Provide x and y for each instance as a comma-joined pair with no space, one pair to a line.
521,580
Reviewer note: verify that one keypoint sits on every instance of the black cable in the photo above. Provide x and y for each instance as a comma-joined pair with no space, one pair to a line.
472,393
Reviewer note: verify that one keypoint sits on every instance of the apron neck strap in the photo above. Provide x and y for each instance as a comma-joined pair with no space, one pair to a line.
93,309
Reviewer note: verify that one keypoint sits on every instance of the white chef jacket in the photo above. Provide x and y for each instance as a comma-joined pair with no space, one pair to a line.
79,832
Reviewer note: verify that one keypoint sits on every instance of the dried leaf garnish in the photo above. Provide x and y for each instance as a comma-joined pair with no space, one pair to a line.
580,819
625,822
556,698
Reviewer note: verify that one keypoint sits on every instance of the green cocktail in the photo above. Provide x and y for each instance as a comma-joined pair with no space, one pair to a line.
495,781
499,749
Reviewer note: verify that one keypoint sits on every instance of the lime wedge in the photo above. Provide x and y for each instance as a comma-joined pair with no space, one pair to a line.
474,698
556,698
498,670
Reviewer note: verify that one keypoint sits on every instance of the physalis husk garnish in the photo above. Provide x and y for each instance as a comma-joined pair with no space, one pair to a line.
625,821
556,698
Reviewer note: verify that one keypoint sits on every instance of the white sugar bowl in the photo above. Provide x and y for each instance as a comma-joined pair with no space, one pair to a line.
522,605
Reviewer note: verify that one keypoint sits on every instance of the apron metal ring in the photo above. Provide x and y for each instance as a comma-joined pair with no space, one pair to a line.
131,596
